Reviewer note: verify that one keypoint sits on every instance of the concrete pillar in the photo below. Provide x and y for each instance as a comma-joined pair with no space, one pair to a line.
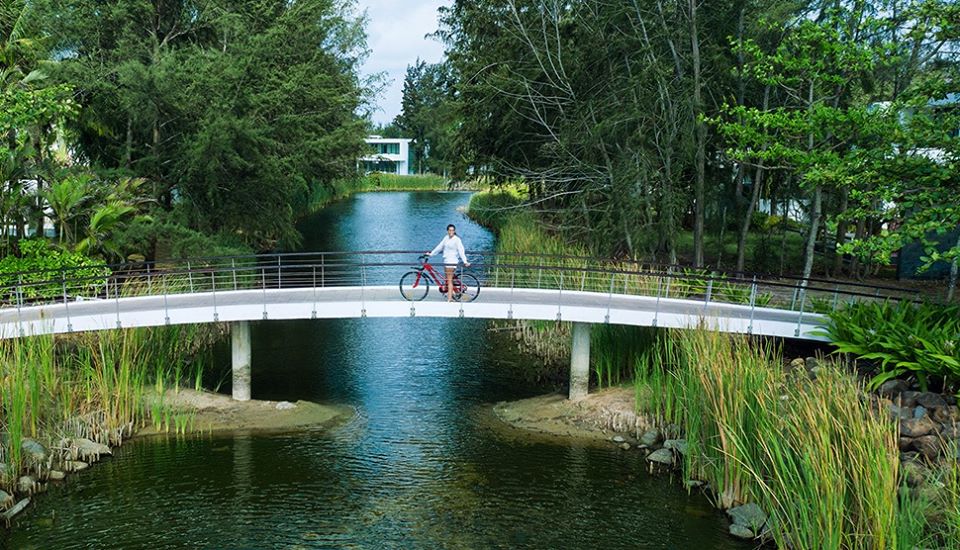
240,338
580,361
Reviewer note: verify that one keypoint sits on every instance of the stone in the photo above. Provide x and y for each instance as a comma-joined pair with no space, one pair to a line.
811,363
650,437
905,443
33,450
672,431
929,446
285,406
6,499
678,445
950,399
950,431
931,400
56,475
661,456
87,449
75,465
914,473
26,485
898,413
892,388
919,412
748,515
909,398
625,446
916,427
797,363
618,439
946,415
741,532
16,509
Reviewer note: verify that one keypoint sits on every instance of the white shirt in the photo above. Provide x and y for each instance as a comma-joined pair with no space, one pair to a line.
452,247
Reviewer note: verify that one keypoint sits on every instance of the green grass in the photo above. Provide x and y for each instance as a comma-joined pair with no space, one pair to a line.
323,195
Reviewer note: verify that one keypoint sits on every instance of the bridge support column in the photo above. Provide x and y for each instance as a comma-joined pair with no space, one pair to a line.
580,361
240,339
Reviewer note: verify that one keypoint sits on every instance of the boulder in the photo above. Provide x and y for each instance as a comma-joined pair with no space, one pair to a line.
897,412
929,446
950,430
89,451
931,400
678,445
741,532
75,465
811,363
17,508
749,515
661,456
650,437
26,485
56,475
906,443
916,427
909,398
919,412
797,363
892,388
945,415
6,500
33,450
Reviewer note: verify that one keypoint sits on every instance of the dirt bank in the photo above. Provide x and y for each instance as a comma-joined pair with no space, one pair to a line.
213,412
598,416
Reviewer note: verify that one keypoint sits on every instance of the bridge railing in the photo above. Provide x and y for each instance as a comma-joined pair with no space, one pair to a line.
378,268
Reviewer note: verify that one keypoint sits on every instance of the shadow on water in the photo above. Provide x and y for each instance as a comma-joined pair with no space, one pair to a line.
414,469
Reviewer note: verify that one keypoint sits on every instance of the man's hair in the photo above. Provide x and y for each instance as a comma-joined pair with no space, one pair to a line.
453,226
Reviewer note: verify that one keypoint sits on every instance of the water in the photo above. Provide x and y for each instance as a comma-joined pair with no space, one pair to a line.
422,465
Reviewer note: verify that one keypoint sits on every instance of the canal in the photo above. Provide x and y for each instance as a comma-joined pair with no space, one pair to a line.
421,465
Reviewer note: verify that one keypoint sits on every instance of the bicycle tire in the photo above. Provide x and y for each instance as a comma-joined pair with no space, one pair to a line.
414,286
468,288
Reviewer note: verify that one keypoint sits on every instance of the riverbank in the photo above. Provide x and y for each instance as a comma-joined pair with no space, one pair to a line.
379,182
217,413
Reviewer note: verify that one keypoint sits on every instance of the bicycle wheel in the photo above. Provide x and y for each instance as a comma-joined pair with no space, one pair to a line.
414,286
466,288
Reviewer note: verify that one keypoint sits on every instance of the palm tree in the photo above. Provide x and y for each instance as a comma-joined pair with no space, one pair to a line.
64,197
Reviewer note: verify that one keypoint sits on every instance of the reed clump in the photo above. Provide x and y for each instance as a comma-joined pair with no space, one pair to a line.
89,385
815,453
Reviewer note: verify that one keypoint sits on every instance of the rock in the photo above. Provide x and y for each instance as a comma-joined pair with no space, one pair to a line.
75,465
618,439
950,431
56,475
909,398
749,515
797,363
811,363
87,450
914,473
931,400
946,415
678,445
672,431
929,446
661,456
16,509
898,413
625,446
919,412
650,438
33,450
285,406
907,456
892,388
916,427
26,485
6,500
951,400
741,532
905,443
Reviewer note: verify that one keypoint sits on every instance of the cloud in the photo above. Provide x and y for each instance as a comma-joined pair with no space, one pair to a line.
396,37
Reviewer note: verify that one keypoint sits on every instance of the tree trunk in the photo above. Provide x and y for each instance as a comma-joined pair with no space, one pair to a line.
841,236
810,250
701,138
747,218
952,285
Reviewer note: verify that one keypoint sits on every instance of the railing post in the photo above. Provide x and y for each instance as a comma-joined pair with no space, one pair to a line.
279,273
539,275
836,291
753,303
263,276
560,297
656,310
606,318
116,299
20,305
796,332
233,268
513,274
66,302
213,283
190,276
149,280
166,306
313,312
363,286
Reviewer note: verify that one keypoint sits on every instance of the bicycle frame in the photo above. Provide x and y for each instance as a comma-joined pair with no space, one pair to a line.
438,278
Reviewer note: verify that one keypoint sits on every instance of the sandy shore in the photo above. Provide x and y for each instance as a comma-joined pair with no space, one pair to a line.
599,416
215,412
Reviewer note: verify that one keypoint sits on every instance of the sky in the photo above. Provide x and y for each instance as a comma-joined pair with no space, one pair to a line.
396,32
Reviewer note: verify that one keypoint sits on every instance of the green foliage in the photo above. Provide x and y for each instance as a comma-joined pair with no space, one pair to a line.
901,339
41,267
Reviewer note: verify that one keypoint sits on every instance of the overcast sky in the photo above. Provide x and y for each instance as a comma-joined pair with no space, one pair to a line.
395,35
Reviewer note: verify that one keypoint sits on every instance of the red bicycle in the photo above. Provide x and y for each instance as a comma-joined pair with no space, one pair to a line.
415,284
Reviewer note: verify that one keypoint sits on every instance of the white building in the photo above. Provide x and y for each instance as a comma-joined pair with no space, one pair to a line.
388,155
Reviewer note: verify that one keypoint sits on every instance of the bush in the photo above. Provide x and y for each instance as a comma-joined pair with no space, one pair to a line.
41,266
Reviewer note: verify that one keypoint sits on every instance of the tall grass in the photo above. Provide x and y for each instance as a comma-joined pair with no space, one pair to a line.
90,385
322,195
815,454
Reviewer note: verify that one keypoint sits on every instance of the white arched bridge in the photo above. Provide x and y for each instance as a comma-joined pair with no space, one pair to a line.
339,285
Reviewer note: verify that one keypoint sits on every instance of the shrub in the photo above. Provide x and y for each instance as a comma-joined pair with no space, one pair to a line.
41,267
